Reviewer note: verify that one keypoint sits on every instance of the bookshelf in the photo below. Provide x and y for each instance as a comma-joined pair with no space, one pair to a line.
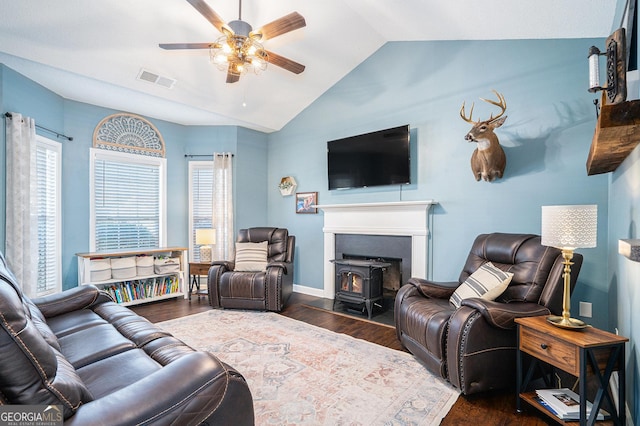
161,277
589,352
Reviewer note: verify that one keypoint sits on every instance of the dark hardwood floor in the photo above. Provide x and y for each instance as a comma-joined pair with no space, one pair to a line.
495,409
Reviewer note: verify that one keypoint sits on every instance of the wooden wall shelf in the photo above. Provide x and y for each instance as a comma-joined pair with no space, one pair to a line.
617,134
630,249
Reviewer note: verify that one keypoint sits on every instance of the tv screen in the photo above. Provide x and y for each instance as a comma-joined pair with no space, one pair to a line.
373,159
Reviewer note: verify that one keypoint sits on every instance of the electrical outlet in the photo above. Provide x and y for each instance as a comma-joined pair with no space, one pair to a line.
585,309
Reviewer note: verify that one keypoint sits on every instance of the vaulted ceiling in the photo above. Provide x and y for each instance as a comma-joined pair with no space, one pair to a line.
94,51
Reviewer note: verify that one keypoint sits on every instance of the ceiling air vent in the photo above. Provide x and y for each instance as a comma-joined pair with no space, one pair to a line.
154,78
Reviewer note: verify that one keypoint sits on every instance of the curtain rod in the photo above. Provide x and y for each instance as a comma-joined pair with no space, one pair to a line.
60,135
203,155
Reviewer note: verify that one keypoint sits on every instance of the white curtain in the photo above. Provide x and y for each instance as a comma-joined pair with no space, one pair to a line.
223,206
22,212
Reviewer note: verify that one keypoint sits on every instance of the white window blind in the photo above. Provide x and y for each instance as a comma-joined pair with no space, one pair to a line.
128,201
200,202
48,182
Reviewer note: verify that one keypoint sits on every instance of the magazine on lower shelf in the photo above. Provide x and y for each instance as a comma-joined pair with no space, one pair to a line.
565,404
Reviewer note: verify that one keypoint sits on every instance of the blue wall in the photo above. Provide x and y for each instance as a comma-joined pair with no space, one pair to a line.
79,120
624,275
546,137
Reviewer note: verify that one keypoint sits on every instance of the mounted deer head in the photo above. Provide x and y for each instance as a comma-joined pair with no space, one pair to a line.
488,159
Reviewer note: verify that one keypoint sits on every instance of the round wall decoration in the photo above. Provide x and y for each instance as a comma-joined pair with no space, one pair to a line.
128,133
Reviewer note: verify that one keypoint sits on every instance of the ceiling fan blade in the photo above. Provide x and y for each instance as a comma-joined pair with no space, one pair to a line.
208,13
282,62
232,77
174,46
280,26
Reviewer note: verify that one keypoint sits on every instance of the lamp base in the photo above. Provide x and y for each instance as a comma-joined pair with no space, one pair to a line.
568,323
205,254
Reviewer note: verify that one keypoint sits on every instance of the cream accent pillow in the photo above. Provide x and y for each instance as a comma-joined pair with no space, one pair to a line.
488,282
251,257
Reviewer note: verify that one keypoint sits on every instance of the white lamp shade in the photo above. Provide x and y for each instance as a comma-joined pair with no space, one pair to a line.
205,236
570,227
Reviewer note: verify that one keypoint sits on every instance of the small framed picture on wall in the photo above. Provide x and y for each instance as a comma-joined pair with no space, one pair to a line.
306,202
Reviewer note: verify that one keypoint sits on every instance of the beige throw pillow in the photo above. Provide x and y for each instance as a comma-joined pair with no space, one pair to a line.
251,257
488,282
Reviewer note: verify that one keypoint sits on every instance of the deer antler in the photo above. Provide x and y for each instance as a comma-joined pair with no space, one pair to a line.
501,103
462,114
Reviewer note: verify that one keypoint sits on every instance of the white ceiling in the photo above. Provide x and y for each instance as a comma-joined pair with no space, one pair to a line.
92,51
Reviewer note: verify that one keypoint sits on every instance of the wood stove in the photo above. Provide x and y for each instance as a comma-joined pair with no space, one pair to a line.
359,282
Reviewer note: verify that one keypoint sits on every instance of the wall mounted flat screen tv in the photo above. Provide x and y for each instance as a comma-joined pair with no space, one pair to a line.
372,159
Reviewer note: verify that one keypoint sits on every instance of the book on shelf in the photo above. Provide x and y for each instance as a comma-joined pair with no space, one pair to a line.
130,291
565,404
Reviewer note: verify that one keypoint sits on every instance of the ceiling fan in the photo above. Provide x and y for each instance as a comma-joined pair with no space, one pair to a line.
239,49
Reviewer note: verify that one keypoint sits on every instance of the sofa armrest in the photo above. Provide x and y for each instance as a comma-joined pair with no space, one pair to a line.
216,270
502,315
202,389
227,264
70,300
434,289
277,265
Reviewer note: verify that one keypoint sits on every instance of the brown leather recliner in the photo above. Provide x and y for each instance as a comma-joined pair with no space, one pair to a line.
474,346
266,290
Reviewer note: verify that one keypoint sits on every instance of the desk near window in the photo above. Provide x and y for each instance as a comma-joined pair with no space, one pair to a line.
584,353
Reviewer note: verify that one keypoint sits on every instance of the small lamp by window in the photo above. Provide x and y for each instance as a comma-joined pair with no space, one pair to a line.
205,238
569,228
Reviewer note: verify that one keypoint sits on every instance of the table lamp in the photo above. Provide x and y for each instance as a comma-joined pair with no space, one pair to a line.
569,228
205,237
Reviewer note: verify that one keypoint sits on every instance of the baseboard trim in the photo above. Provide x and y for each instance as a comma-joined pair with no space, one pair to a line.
311,291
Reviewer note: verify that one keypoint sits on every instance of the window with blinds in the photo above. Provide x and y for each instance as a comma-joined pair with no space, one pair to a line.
200,202
128,206
48,183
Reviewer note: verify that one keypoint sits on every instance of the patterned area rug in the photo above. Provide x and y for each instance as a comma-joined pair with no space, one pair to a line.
302,374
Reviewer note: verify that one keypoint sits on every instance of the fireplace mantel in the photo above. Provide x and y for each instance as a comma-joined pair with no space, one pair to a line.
405,218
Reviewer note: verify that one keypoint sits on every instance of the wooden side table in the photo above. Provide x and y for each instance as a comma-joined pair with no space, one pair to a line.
583,353
196,270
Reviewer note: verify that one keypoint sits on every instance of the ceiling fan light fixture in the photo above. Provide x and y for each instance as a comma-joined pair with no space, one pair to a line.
238,54
239,50
257,63
219,59
226,46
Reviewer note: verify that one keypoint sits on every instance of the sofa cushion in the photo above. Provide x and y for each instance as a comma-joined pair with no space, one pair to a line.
132,326
251,257
124,369
93,344
488,282
74,321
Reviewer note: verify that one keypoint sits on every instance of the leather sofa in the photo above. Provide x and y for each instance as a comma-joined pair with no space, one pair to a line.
265,290
102,364
474,346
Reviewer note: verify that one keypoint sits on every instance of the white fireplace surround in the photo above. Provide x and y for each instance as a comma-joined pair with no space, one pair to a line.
403,218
